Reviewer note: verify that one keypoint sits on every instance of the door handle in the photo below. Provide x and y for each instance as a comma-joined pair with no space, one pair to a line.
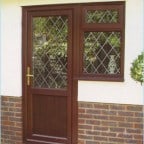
28,75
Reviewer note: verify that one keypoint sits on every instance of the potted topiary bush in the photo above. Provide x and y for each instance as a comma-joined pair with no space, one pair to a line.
137,68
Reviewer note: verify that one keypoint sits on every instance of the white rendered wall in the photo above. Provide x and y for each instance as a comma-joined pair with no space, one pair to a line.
127,92
10,48
0,47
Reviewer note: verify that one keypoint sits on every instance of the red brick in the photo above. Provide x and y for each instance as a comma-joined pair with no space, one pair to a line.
80,110
108,134
139,114
117,107
133,141
15,119
86,137
93,132
18,115
124,135
117,140
8,123
108,112
92,142
99,123
81,142
117,129
18,105
7,113
125,113
101,106
140,136
100,128
113,123
80,131
81,121
93,111
11,117
18,124
85,127
134,108
85,105
15,128
109,123
4,118
100,138
102,117
125,125
138,125
116,118
134,120
93,122
87,116
135,131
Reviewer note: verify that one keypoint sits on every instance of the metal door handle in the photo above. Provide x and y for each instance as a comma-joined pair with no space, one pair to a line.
28,75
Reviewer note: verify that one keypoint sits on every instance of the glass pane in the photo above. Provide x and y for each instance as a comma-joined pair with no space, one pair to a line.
101,52
102,16
50,51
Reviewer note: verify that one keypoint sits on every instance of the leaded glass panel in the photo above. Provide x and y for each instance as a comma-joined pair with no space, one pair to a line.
101,53
50,51
102,16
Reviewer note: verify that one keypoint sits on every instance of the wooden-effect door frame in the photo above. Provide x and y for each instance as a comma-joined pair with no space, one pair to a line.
75,55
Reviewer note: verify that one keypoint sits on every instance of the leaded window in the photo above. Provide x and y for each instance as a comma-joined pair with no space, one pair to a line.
102,38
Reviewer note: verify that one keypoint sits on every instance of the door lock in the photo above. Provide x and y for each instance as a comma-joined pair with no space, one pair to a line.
28,75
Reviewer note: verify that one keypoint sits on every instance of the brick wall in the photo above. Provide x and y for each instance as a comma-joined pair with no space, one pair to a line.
98,123
110,124
11,120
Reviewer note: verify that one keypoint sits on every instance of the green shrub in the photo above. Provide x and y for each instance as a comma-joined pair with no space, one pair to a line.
137,68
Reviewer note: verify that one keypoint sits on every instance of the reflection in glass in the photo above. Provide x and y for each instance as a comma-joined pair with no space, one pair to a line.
98,46
102,16
50,51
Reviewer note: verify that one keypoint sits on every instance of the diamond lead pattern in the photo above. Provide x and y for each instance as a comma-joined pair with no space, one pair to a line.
50,52
98,47
102,16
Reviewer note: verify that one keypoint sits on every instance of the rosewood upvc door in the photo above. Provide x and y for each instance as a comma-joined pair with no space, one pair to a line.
49,105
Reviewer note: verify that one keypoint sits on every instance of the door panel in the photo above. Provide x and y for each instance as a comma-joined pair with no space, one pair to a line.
47,76
49,114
